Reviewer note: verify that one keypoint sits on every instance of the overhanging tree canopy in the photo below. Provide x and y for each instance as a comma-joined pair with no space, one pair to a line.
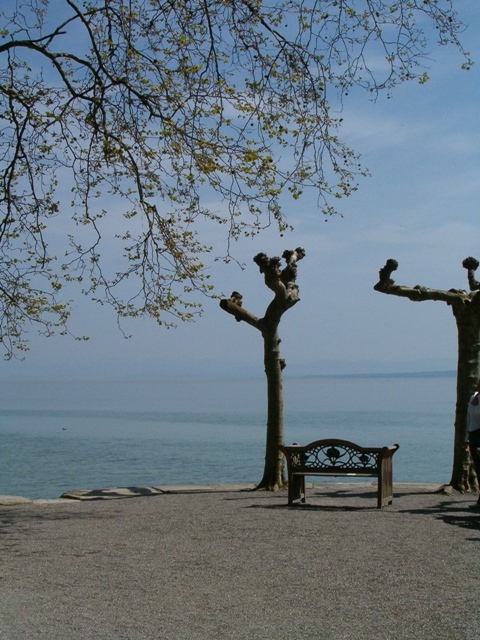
119,119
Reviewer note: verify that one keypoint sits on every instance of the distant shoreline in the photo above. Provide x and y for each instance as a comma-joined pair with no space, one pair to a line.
411,374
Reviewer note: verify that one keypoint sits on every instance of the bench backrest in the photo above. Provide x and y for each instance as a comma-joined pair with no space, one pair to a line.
340,455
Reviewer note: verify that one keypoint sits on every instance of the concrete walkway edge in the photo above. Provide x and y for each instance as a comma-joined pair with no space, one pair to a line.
115,493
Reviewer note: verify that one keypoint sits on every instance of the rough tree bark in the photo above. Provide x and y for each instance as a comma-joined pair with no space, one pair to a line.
466,310
283,283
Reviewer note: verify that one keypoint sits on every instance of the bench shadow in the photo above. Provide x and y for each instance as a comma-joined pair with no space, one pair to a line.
452,512
318,495
311,507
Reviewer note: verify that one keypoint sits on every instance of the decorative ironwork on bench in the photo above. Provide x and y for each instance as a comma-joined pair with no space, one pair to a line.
335,457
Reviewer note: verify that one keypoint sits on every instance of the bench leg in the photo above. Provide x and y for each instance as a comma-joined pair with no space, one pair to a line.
385,483
296,489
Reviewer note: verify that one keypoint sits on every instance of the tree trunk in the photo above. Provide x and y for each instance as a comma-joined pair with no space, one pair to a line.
468,370
273,473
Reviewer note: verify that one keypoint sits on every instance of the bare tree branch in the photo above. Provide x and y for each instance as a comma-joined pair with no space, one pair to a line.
417,293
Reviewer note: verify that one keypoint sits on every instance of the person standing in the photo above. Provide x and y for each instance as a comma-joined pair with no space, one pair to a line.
472,440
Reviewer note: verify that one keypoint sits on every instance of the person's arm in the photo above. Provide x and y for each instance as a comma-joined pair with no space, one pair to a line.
473,401
466,445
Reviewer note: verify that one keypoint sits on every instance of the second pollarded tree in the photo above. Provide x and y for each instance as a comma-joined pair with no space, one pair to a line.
466,311
283,284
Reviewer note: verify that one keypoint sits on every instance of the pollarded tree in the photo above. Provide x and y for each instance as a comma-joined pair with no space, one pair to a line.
118,119
283,284
466,311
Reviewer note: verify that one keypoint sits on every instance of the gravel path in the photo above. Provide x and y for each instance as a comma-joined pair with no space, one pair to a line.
243,565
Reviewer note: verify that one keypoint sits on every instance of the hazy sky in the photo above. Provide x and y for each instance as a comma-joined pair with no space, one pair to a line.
420,206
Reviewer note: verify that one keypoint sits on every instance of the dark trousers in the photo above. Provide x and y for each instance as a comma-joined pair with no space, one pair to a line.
474,445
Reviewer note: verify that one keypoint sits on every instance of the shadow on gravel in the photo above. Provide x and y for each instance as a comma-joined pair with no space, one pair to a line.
311,507
341,494
109,494
454,513
470,522
22,522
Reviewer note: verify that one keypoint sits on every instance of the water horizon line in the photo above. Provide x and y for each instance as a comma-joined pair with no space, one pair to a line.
450,373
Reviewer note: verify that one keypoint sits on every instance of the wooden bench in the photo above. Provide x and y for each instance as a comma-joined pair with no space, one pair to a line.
338,458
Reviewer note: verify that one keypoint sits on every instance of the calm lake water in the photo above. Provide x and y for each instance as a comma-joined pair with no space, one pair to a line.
56,436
